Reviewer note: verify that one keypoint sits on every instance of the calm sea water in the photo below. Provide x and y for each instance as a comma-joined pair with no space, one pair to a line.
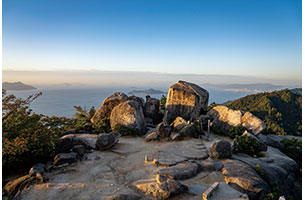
60,102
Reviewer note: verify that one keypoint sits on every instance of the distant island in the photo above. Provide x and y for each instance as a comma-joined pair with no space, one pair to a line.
149,91
17,86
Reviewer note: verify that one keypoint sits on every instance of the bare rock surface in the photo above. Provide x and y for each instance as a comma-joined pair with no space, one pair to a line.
244,178
275,167
187,100
106,141
227,117
129,114
177,152
181,171
108,104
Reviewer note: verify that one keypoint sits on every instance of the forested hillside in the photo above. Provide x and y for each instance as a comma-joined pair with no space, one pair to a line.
280,110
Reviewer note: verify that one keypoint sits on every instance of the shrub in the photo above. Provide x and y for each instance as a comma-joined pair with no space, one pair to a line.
216,129
292,148
102,126
163,103
248,145
82,116
236,131
212,105
27,137
259,169
123,130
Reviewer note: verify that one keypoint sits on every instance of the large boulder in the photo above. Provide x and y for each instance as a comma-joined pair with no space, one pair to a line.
108,104
181,171
244,178
106,141
186,100
63,158
226,118
163,130
151,109
221,149
19,184
128,118
67,142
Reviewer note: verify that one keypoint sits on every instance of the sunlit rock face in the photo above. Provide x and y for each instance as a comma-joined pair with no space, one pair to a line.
227,118
108,104
186,100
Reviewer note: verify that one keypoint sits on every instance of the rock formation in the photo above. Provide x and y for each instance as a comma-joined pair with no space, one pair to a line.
226,118
108,104
186,100
128,114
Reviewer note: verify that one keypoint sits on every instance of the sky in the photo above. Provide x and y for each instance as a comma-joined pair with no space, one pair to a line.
256,38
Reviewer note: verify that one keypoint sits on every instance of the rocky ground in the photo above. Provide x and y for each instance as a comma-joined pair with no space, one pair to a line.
122,169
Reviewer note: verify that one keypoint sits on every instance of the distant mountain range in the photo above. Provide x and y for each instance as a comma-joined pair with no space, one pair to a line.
252,88
17,86
149,91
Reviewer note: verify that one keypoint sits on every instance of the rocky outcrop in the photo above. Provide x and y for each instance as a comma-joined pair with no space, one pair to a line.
181,171
178,152
106,141
162,187
226,118
63,158
210,165
186,100
244,178
163,130
67,142
151,109
221,149
275,166
275,140
151,136
128,114
108,104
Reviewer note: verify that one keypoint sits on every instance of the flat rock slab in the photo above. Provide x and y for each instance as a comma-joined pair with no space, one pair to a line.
225,191
244,178
181,171
177,152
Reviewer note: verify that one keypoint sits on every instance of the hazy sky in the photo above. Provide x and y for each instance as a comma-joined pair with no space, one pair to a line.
259,38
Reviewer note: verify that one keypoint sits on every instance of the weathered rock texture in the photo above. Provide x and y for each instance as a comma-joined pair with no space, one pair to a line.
106,141
262,146
244,178
108,104
151,109
221,149
128,114
67,142
186,100
181,151
276,167
227,118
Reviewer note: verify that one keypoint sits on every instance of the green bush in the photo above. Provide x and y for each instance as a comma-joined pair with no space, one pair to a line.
292,148
123,130
248,145
212,105
259,170
163,103
275,194
102,126
82,116
27,137
216,129
236,131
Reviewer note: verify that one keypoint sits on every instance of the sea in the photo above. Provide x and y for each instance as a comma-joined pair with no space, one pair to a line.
60,101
